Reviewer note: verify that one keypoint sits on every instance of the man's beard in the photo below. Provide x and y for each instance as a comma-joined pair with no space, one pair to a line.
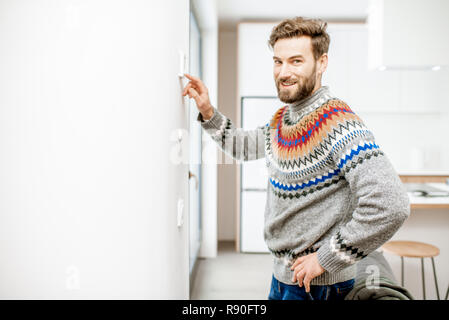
304,88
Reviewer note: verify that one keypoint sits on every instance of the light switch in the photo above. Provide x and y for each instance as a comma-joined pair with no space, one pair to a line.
182,63
180,212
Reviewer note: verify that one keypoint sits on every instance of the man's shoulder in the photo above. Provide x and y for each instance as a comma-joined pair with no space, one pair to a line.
336,102
337,107
345,125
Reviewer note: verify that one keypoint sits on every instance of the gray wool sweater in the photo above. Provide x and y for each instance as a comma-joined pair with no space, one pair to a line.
330,189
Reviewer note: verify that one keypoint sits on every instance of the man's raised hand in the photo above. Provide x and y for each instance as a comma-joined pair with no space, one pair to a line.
198,91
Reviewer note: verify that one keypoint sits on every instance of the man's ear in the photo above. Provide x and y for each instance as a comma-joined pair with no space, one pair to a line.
322,63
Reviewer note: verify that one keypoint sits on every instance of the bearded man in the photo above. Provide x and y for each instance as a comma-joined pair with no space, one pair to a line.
333,196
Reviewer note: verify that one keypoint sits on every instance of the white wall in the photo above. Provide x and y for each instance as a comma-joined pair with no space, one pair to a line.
89,100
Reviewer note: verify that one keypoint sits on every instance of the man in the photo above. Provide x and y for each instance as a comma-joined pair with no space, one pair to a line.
333,196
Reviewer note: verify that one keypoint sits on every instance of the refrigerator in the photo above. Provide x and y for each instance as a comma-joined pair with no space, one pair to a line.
255,111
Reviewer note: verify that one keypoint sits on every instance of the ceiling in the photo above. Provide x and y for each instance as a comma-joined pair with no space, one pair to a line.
230,12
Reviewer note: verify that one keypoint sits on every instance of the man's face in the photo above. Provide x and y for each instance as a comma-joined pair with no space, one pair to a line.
295,69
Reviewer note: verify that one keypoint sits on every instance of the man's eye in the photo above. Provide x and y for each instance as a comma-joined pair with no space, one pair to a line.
277,62
297,61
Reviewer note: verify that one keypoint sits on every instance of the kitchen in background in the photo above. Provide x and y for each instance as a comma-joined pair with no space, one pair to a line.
402,100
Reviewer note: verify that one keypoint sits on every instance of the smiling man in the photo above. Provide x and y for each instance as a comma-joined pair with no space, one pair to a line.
332,194
301,81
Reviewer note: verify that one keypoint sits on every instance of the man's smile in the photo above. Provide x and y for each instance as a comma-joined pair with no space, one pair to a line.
287,84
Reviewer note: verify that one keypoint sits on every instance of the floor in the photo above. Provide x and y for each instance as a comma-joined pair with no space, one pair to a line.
233,275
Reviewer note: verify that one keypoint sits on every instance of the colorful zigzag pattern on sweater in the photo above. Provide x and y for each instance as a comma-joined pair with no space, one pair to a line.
311,152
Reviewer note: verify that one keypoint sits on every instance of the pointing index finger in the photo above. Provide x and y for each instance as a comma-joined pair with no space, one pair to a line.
197,81
191,77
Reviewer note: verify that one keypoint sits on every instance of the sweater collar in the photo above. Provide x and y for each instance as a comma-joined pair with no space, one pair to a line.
300,108
300,105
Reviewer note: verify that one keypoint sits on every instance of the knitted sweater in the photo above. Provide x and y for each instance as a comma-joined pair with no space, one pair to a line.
331,189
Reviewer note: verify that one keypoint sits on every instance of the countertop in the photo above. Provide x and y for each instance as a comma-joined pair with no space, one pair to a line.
430,202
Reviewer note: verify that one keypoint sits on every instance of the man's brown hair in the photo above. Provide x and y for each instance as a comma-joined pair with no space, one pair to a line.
299,26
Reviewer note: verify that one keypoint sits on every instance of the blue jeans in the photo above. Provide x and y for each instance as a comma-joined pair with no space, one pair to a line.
282,291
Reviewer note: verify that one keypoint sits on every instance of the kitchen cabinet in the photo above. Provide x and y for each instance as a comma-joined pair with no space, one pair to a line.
408,34
347,74
375,91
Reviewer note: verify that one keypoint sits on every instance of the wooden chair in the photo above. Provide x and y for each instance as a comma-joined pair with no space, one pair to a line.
413,249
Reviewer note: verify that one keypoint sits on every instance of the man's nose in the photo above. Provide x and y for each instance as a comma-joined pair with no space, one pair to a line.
285,71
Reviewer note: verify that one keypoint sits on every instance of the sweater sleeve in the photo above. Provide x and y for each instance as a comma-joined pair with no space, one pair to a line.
243,145
382,201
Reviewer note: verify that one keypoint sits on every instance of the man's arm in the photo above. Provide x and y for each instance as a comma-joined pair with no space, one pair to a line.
382,201
243,145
